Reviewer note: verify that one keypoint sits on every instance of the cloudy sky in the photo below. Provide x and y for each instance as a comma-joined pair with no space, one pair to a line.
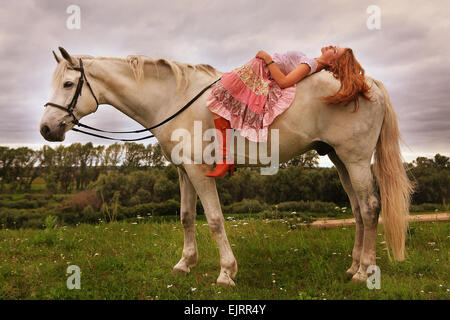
409,53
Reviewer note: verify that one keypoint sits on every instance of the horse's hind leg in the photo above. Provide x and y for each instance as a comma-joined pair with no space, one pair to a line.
359,233
187,213
363,184
207,191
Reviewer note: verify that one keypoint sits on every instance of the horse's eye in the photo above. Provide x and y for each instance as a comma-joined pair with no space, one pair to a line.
68,84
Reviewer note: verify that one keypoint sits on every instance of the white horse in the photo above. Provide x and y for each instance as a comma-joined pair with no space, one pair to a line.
149,91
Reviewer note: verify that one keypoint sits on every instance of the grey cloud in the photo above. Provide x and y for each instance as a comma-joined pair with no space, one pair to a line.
408,54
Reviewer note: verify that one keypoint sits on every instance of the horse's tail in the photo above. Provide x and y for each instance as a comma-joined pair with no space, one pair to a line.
395,187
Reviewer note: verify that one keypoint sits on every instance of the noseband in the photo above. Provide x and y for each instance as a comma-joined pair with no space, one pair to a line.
71,107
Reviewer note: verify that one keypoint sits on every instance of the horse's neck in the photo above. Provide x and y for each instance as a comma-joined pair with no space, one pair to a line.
147,101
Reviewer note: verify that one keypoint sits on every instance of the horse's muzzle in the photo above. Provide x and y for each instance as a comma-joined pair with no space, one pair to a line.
53,134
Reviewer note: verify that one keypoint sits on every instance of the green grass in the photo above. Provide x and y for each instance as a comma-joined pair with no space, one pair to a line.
122,260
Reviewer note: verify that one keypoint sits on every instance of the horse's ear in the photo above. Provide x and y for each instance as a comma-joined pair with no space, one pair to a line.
67,56
56,57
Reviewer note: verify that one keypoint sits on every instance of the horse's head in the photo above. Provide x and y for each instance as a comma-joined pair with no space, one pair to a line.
71,98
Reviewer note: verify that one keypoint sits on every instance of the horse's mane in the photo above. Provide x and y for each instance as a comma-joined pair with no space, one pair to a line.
137,63
179,69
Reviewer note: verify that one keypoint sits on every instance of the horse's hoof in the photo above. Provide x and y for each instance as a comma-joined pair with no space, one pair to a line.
225,280
348,276
234,270
181,269
359,277
350,272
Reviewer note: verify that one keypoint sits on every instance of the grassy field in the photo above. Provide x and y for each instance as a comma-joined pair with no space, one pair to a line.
277,260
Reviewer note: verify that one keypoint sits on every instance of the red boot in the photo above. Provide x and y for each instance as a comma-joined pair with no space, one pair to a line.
221,169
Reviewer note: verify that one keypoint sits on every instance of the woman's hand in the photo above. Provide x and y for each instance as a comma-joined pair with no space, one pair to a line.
264,55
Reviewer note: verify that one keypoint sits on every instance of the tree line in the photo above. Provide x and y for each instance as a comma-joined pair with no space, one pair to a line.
70,168
140,173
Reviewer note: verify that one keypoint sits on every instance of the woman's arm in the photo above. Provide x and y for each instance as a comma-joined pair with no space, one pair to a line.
284,81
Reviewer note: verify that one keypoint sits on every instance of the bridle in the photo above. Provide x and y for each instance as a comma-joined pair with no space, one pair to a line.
72,105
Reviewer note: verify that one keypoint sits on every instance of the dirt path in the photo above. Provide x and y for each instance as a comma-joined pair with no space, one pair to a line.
333,223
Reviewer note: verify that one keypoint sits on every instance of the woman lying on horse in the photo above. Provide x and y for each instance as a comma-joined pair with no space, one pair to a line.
249,98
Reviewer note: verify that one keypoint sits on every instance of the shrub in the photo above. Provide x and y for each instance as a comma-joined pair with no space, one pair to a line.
83,199
131,212
50,222
60,197
89,215
143,195
37,196
110,213
306,206
67,216
424,207
135,200
33,223
164,189
170,207
19,218
140,183
244,206
20,204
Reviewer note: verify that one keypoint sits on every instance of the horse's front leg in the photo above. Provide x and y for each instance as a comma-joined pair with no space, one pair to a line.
187,212
206,190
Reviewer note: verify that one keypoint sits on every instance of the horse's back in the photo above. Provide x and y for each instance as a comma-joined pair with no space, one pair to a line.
310,120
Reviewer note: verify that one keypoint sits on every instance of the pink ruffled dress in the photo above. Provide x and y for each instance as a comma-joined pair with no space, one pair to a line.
250,99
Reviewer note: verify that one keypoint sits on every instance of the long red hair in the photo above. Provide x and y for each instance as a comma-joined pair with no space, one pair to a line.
351,75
